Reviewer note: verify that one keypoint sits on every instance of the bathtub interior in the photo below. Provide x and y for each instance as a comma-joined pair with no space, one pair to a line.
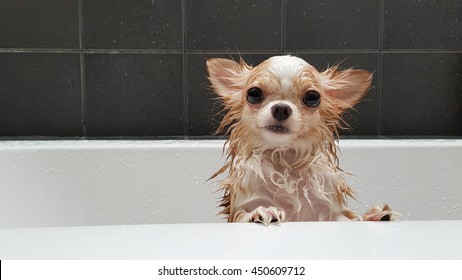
85,183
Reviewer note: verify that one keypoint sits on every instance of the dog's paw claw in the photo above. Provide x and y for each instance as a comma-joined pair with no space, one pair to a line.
387,218
380,213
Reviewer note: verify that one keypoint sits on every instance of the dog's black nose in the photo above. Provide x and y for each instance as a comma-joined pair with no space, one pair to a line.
281,111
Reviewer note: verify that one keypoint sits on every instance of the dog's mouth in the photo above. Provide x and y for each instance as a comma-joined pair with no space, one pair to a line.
278,129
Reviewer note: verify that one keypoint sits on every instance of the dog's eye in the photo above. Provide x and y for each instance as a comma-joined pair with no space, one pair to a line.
254,95
312,99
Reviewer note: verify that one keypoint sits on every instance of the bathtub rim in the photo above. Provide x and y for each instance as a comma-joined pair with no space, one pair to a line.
200,144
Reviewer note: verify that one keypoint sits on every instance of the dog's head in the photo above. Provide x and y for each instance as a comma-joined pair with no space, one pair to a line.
284,99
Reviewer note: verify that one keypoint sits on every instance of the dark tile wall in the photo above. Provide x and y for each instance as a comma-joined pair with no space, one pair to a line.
113,68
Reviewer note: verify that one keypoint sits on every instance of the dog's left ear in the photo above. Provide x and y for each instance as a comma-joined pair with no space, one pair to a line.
346,87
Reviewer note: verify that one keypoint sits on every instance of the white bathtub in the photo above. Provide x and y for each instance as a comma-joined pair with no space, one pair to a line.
150,199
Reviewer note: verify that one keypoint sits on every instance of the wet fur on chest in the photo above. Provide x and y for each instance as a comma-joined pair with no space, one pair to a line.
314,191
282,118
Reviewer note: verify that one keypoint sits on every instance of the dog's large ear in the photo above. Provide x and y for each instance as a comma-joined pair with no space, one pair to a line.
228,77
346,87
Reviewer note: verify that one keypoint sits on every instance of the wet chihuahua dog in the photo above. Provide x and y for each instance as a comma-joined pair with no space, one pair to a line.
282,119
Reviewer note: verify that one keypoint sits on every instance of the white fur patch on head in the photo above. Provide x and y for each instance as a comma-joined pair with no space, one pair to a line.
287,65
285,69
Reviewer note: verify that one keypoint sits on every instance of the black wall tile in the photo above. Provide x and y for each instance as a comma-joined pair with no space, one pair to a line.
204,107
134,94
422,94
136,62
423,24
234,25
40,94
39,24
136,24
328,25
363,118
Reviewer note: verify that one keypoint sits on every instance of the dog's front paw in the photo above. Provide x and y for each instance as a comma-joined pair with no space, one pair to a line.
380,213
265,215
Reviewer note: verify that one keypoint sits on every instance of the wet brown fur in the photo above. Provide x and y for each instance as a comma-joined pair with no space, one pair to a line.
230,125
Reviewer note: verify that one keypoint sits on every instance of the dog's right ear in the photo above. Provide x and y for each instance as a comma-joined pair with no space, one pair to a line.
228,77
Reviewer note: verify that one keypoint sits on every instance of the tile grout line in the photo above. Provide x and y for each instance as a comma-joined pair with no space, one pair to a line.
283,26
380,63
82,68
185,74
159,51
